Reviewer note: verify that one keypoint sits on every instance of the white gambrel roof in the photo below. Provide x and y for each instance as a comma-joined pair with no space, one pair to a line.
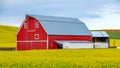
62,25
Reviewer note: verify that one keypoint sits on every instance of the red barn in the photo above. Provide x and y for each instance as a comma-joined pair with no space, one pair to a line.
50,32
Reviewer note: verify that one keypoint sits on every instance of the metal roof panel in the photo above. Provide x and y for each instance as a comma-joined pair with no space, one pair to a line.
99,34
65,28
56,19
105,34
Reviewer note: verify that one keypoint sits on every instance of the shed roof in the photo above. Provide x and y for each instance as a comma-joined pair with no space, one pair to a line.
99,34
62,25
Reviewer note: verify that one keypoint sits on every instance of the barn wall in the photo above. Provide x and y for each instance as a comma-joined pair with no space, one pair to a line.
77,45
28,34
53,45
31,45
101,42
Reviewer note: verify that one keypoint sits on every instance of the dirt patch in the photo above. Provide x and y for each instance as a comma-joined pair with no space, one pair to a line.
8,49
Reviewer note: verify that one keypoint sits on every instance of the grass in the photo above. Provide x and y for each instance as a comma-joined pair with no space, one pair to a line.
8,36
114,34
84,58
7,45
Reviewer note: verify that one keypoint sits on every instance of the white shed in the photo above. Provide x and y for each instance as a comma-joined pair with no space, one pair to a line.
100,39
74,44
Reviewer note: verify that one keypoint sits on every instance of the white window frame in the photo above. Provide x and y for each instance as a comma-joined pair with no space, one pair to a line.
37,25
25,25
36,36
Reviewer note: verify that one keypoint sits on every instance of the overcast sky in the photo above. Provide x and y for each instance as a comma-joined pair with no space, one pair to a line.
96,14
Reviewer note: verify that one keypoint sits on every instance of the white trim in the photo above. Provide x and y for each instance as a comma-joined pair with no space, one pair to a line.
36,36
47,42
25,25
31,45
38,22
21,25
37,25
32,41
31,30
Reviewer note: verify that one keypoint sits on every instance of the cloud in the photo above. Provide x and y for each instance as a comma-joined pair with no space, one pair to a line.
117,12
66,6
108,21
90,15
90,11
11,20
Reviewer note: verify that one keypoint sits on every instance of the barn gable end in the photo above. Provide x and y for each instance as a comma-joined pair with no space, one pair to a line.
31,32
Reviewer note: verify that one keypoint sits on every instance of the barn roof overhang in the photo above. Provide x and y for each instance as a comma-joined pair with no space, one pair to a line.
73,41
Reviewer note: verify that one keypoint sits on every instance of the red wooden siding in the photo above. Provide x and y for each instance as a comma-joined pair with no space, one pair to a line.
29,34
52,44
31,45
31,25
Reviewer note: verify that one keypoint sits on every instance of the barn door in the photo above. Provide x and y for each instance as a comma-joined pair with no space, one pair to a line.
31,25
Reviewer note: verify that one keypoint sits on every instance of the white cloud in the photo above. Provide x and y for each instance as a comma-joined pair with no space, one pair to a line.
107,22
109,18
97,14
11,20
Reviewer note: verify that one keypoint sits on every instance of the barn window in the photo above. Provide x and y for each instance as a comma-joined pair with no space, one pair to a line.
37,25
36,36
25,25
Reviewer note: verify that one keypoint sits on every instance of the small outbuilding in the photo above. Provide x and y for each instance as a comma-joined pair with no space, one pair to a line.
51,32
100,39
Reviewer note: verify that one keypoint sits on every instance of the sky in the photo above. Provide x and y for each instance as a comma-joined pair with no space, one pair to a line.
96,14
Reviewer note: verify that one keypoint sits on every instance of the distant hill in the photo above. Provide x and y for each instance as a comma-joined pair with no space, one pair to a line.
114,33
8,34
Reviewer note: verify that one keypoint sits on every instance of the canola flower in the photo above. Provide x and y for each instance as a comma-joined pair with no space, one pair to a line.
66,58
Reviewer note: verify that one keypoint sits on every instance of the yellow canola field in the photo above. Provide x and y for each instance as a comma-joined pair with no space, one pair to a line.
114,42
79,58
7,45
